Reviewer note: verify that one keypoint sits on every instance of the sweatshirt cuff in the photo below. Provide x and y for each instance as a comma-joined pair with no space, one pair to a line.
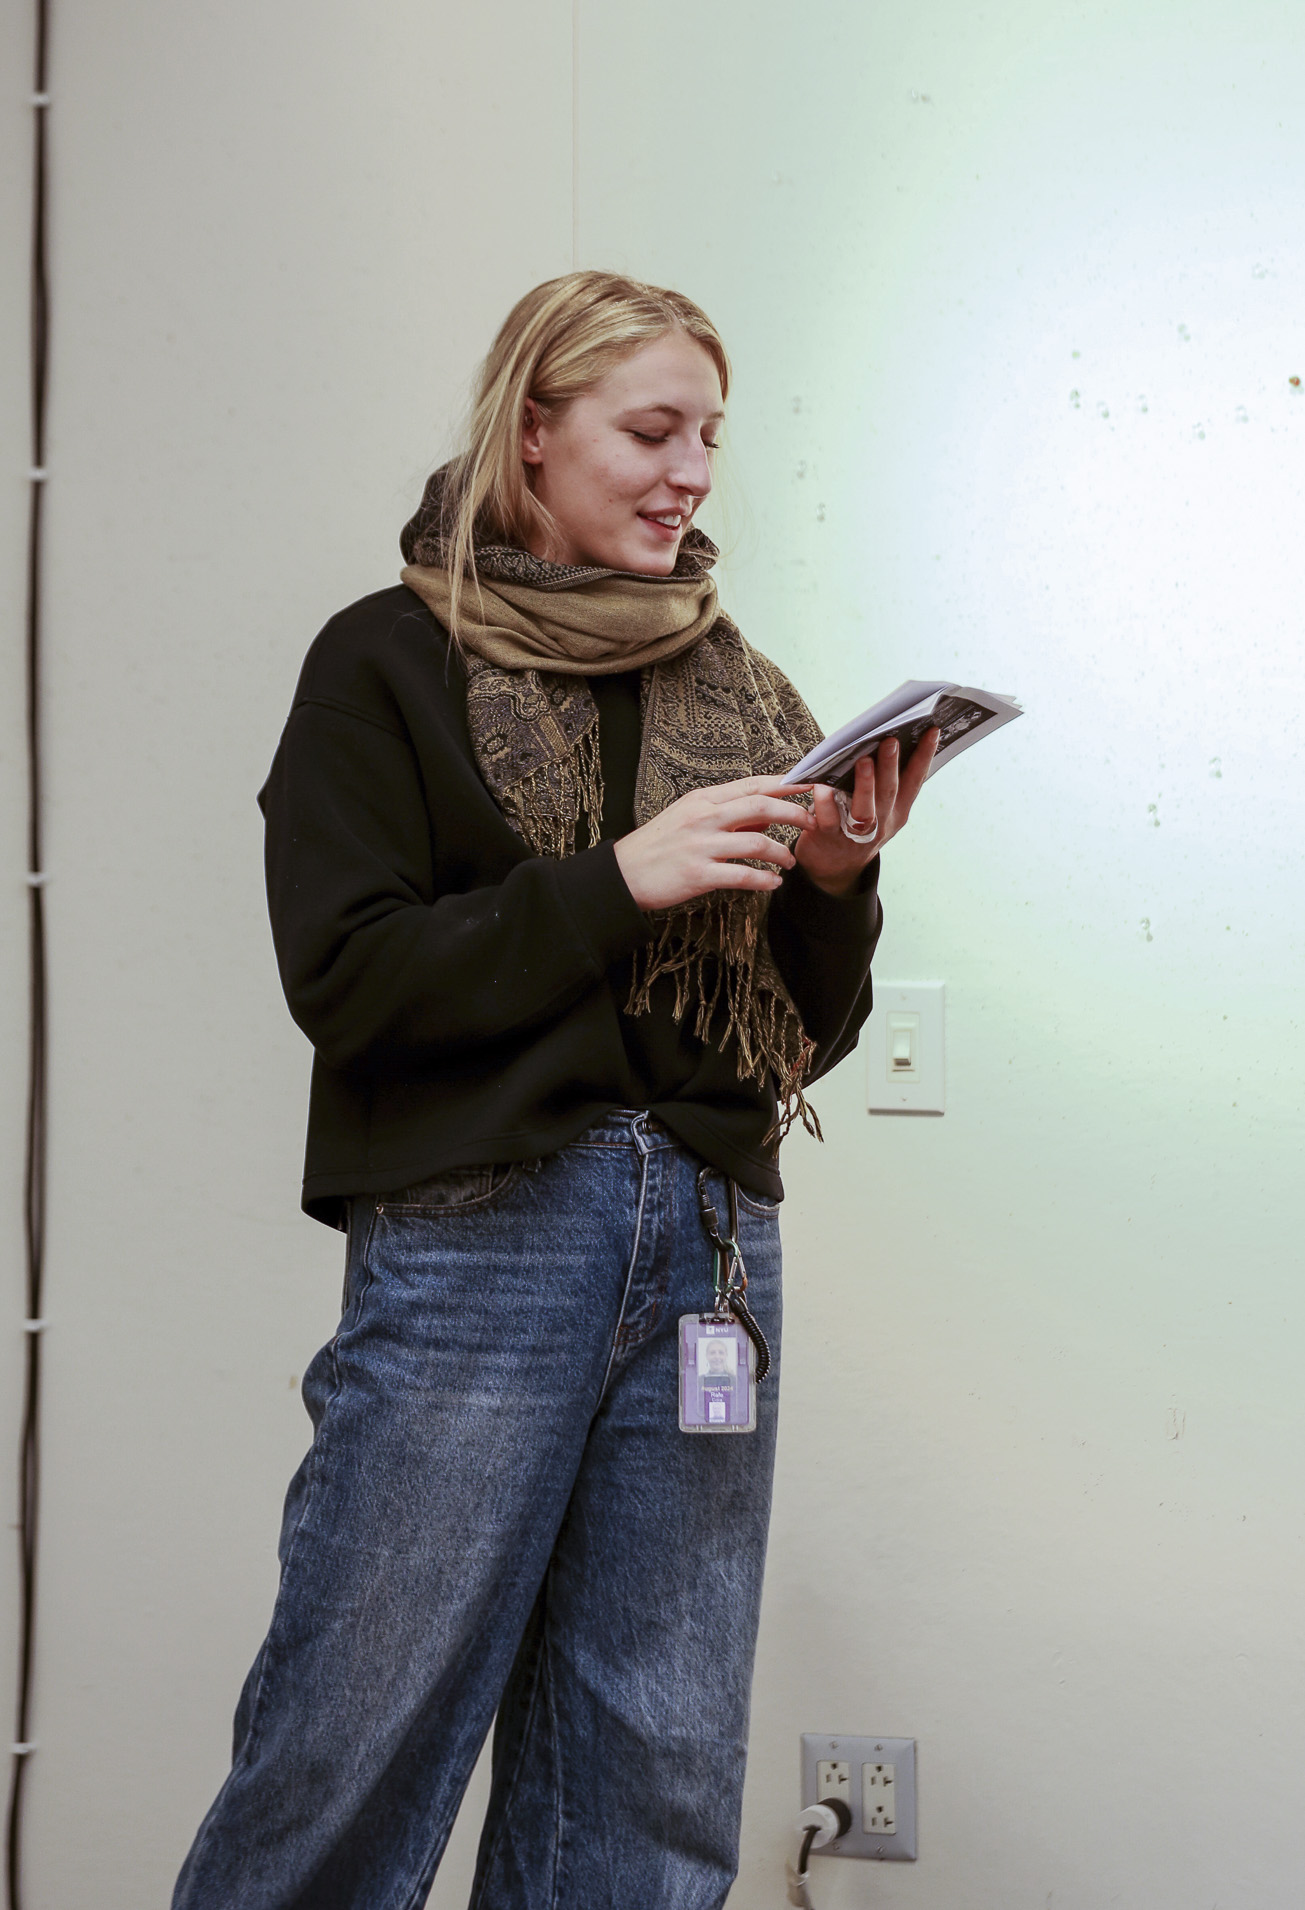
849,918
605,913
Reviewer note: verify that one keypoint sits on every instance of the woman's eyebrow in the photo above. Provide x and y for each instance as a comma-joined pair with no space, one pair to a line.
673,411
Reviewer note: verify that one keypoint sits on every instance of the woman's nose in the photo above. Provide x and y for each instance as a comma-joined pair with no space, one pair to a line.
692,470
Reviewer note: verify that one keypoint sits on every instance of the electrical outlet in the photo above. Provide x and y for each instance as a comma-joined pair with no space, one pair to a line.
834,1779
879,1799
875,1778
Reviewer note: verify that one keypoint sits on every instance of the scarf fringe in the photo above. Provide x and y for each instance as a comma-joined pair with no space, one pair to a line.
546,806
714,950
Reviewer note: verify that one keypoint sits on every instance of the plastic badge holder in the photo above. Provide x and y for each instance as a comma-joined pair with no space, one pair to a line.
718,1376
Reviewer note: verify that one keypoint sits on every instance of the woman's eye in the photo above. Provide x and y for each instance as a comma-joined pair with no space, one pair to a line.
648,437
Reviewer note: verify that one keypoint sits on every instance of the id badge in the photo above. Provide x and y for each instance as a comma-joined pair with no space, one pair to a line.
718,1376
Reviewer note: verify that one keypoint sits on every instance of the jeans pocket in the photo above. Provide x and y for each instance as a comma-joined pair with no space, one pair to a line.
454,1190
755,1204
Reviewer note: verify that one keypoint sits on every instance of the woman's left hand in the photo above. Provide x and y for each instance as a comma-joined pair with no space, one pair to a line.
832,860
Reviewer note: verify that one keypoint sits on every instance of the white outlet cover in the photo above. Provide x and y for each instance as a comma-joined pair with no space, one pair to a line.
818,1749
921,1088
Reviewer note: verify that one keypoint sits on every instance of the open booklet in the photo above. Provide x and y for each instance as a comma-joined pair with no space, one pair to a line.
963,716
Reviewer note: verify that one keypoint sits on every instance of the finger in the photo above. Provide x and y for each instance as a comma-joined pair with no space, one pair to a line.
917,768
755,786
824,808
886,763
741,875
735,843
754,812
865,800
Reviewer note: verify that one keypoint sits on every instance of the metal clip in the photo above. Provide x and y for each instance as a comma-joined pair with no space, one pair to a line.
728,1277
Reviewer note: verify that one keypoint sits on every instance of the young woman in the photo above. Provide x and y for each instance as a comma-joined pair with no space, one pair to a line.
561,941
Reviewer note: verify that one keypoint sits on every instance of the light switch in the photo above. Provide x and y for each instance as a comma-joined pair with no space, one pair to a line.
904,1049
903,1046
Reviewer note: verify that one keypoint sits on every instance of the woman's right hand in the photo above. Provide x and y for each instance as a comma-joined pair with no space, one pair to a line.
694,845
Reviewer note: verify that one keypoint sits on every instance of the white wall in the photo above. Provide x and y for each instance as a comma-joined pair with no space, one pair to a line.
1039,1498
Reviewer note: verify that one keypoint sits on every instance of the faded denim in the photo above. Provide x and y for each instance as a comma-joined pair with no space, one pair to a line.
498,1511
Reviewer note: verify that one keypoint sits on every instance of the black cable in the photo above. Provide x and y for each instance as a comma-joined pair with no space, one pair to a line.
806,1850
29,1465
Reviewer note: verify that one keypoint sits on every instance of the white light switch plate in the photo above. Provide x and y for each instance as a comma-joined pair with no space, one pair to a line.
904,1038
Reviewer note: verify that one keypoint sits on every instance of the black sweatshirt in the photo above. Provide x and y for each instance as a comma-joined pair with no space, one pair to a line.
466,998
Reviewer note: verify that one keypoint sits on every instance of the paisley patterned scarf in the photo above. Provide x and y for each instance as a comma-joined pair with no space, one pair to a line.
713,709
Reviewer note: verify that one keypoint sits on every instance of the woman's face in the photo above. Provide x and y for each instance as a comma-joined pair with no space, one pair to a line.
624,467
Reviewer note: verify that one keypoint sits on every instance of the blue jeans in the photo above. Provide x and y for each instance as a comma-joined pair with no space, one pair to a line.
499,1512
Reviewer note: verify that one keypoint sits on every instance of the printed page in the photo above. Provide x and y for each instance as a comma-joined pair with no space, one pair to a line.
964,716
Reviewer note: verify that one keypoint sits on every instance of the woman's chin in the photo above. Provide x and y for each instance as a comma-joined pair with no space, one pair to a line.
635,552
653,561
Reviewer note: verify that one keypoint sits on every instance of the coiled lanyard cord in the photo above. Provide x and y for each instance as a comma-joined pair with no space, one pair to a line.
728,1271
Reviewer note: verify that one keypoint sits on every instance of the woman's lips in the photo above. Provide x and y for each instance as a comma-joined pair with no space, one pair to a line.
669,533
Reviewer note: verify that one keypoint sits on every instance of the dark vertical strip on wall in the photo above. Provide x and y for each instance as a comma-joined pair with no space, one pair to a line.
29,1475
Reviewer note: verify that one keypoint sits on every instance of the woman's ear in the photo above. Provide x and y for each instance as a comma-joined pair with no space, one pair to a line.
532,451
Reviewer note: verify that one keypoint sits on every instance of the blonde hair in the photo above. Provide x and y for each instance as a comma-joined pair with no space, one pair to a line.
555,344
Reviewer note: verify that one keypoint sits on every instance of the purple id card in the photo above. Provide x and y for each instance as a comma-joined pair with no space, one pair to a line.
718,1387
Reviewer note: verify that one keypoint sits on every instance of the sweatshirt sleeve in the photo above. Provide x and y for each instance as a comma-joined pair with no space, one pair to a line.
374,963
822,945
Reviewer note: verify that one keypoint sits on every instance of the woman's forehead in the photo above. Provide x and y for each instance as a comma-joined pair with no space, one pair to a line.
672,374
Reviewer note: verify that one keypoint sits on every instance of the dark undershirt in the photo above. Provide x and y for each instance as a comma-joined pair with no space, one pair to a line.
620,731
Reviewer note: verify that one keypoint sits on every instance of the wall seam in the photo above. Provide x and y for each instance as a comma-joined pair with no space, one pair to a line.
575,135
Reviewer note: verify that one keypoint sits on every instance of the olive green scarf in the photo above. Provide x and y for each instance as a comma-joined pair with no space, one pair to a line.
713,710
